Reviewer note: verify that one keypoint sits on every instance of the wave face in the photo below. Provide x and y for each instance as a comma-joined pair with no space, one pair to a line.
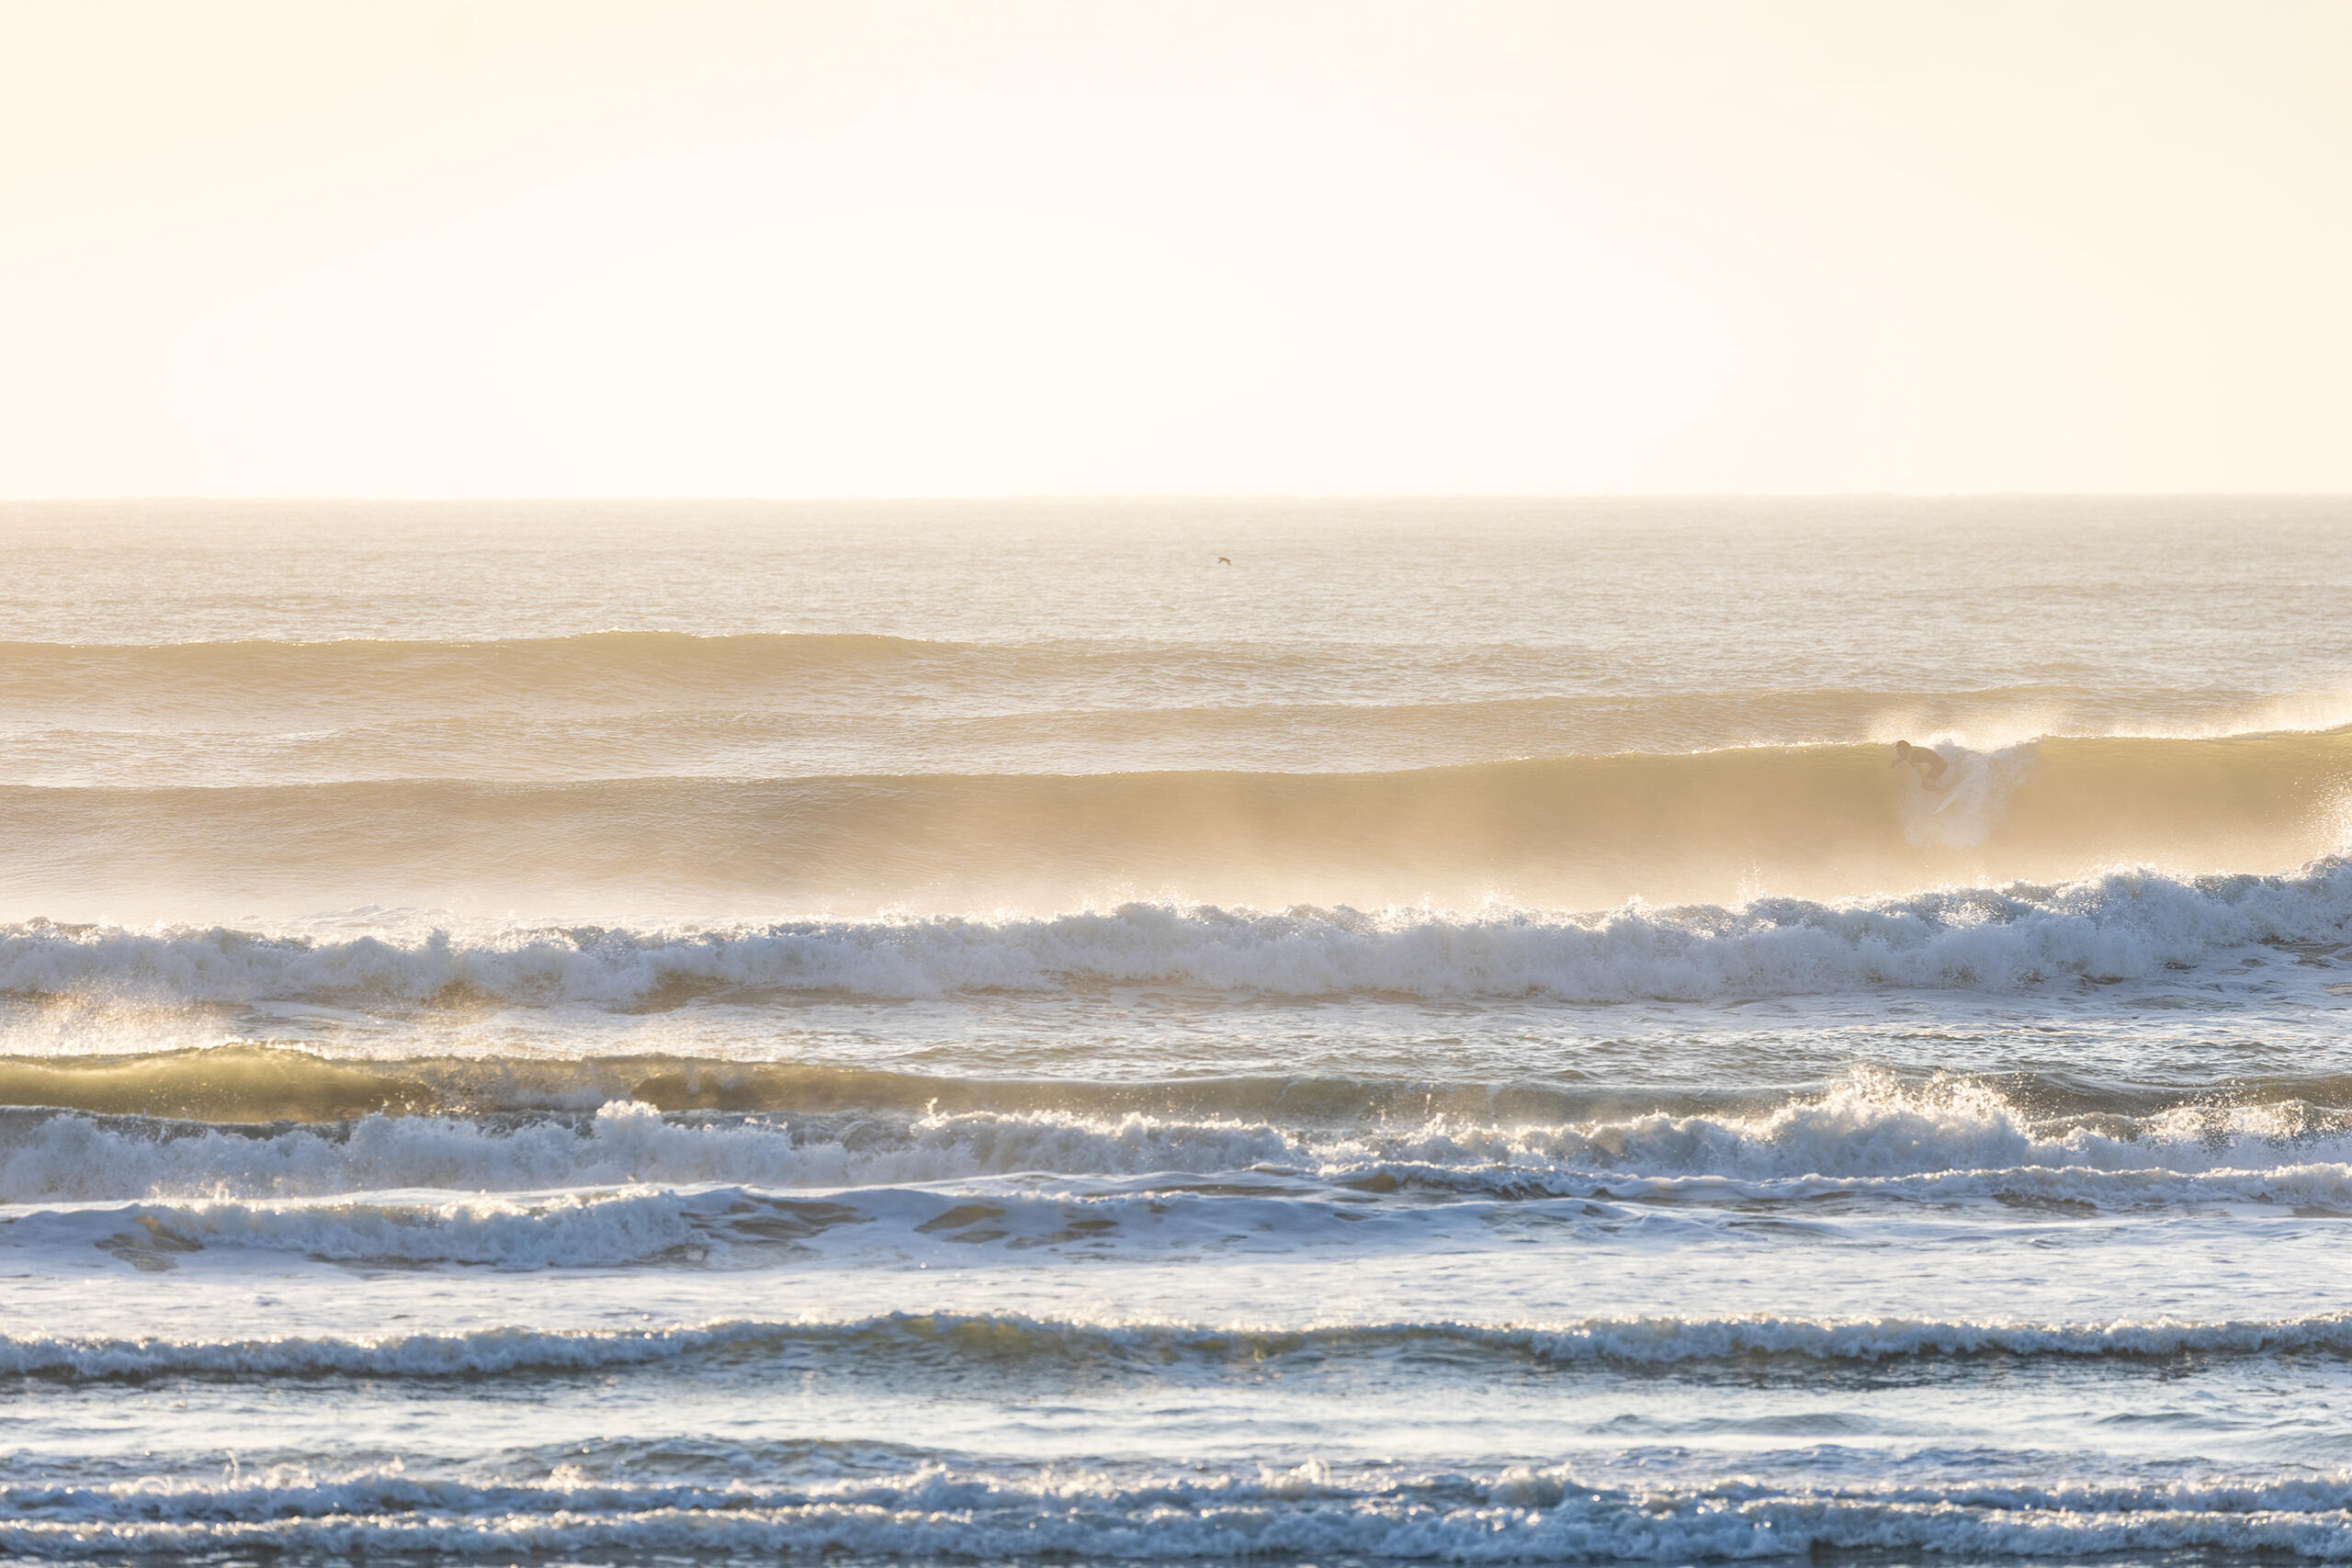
1566,832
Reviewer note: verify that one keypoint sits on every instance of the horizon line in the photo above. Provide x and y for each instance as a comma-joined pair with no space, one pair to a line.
1077,497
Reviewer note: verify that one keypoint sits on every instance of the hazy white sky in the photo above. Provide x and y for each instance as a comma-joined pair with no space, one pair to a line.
510,247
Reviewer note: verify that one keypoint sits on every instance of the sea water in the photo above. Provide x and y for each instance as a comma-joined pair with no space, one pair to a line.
983,1033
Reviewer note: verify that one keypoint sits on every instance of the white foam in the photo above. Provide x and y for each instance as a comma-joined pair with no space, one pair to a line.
713,1227
2117,925
1951,1139
934,1511
565,1229
76,1158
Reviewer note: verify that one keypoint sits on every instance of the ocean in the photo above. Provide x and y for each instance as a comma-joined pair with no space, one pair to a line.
1297,1032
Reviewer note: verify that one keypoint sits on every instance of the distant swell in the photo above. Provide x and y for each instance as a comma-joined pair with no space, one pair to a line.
602,666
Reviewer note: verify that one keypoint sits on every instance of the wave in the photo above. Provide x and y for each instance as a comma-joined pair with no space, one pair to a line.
616,706
1939,1141
2114,927
943,1511
623,669
1291,1211
852,731
599,667
650,704
920,1338
252,1083
1559,833
255,1083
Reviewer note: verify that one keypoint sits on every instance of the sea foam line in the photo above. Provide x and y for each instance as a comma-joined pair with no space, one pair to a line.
931,1480
1516,1516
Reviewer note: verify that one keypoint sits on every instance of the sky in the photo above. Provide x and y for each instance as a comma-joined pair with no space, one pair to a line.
901,248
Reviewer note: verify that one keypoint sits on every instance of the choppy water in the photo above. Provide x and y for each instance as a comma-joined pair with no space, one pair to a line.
608,1033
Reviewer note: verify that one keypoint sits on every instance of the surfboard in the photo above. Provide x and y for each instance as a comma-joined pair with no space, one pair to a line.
1967,778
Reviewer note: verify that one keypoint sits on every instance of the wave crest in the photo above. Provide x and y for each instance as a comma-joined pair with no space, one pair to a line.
1635,1341
2114,926
1939,1140
1575,832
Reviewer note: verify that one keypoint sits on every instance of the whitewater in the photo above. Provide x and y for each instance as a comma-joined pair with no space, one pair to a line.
914,1034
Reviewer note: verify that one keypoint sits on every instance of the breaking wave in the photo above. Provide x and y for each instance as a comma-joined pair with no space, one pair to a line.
1939,1139
943,1511
254,1083
1015,1338
1579,831
2114,926
1150,1218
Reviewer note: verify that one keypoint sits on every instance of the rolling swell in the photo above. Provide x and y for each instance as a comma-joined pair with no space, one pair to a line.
1817,821
594,667
654,705
1570,699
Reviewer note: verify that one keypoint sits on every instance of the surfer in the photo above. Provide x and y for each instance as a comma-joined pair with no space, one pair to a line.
1931,767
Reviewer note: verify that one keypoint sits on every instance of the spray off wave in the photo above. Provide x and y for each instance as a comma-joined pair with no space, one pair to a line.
1573,832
